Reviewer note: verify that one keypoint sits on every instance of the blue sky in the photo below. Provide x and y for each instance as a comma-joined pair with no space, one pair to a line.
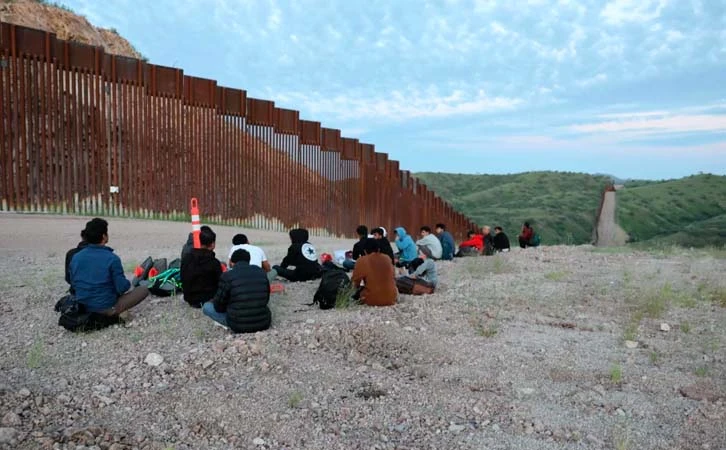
634,88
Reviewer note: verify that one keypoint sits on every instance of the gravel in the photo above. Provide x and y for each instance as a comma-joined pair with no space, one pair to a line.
517,351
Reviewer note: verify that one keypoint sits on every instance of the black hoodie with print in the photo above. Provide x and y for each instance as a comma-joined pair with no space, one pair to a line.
303,256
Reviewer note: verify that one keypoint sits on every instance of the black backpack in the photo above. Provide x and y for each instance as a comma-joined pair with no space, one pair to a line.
74,317
334,279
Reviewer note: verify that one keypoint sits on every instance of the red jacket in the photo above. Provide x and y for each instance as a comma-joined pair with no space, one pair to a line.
527,234
476,241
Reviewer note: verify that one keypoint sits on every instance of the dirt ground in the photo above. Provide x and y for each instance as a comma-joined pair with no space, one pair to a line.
525,350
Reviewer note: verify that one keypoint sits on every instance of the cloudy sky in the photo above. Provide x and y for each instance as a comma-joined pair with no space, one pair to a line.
634,88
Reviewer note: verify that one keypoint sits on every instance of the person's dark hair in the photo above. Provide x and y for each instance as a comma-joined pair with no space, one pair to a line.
205,227
94,231
377,230
426,228
207,237
471,233
441,225
362,230
240,255
370,245
526,224
239,239
498,228
83,235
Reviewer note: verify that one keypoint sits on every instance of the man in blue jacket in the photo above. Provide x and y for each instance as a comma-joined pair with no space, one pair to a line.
97,275
406,248
448,245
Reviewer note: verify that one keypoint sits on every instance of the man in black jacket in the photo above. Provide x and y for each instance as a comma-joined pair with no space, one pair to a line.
200,270
500,241
241,299
362,232
385,246
302,255
69,256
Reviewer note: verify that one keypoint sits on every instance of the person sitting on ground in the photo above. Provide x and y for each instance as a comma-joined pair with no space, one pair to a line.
302,255
362,232
406,248
500,240
69,256
384,245
488,241
375,272
472,246
257,255
242,296
189,244
430,241
200,270
528,238
425,272
448,246
97,275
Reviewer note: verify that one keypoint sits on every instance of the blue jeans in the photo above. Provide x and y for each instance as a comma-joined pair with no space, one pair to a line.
209,311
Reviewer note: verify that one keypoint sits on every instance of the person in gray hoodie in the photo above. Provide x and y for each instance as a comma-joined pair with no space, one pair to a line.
431,242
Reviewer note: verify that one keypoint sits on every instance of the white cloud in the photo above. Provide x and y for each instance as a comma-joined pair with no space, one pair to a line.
619,12
399,105
697,123
597,79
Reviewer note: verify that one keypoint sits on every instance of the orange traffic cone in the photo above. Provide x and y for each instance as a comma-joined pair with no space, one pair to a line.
196,225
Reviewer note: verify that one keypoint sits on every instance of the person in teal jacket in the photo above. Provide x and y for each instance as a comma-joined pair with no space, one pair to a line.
406,248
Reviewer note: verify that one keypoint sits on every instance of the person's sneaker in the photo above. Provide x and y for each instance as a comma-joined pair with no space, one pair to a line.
220,325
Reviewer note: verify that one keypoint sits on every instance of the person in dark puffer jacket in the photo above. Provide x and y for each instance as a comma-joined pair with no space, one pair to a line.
303,256
200,270
241,299
69,257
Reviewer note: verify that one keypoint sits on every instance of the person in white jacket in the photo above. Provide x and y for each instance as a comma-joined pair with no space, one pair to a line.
431,242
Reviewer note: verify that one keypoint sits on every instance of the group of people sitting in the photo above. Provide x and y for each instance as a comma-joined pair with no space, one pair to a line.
236,294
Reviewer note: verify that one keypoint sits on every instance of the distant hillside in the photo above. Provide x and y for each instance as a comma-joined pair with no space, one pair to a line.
562,206
66,24
688,211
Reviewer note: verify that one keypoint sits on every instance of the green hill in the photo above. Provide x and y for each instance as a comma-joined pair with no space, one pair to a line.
561,205
688,211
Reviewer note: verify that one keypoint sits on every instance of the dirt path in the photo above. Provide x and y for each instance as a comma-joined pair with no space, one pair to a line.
609,232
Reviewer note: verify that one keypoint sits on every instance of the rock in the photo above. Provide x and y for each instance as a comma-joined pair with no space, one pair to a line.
495,427
526,391
154,359
631,344
207,363
665,327
11,420
7,435
24,393
702,391
258,441
105,400
219,347
456,428
356,356
593,440
102,389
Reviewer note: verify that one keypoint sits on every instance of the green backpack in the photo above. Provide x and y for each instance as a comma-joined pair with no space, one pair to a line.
534,242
